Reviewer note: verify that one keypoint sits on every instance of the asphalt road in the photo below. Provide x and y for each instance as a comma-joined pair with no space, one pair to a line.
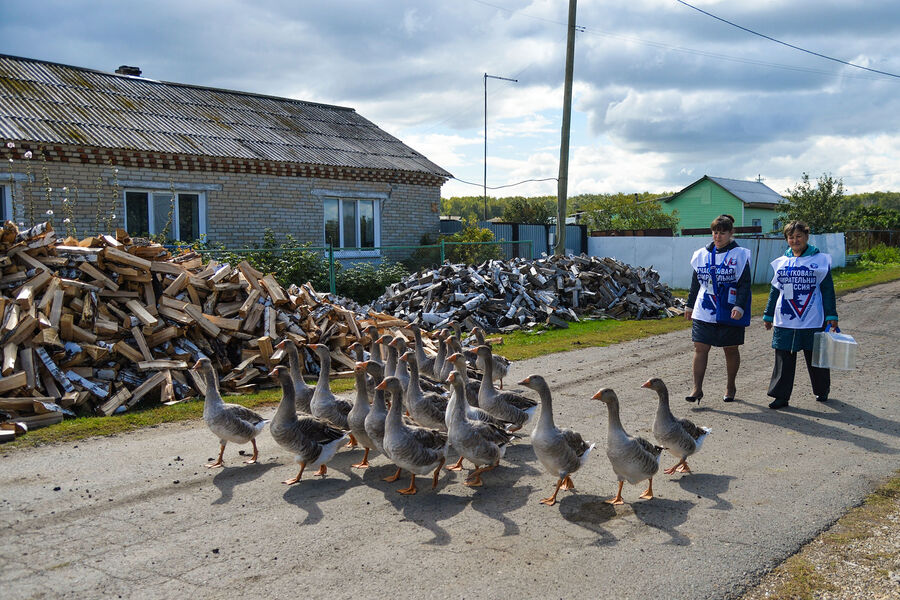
137,516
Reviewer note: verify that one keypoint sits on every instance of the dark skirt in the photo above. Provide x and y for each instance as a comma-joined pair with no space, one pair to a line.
717,334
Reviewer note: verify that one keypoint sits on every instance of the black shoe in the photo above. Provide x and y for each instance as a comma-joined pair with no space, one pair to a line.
728,399
694,398
778,403
822,398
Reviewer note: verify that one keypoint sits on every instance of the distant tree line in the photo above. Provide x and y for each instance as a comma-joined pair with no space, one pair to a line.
825,207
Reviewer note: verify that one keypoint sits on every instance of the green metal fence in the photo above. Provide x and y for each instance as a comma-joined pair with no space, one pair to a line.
414,257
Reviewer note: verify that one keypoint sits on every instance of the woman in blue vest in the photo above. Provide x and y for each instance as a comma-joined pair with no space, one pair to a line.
801,302
719,304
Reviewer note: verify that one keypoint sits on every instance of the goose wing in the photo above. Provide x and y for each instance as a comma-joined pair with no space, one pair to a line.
692,430
243,413
518,400
318,430
574,441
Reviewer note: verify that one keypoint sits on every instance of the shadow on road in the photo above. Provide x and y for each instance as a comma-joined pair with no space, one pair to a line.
708,485
230,477
309,492
665,515
591,512
803,420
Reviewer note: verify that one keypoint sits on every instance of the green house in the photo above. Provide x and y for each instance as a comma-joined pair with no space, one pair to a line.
749,202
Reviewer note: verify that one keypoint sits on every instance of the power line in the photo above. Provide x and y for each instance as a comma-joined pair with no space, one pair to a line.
499,187
762,35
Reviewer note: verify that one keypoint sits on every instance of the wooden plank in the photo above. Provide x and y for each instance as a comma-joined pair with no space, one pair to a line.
201,320
223,323
252,318
10,354
128,351
164,335
176,286
22,331
150,298
28,260
169,268
92,271
192,293
56,308
276,292
249,303
139,311
13,382
266,350
118,256
162,364
145,388
175,315
250,274
47,298
141,343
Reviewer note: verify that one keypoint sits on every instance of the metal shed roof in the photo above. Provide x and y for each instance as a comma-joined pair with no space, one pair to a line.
749,191
52,103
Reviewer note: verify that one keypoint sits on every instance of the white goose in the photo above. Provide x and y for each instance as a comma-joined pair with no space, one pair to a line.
560,451
313,441
680,436
482,443
230,422
633,459
416,449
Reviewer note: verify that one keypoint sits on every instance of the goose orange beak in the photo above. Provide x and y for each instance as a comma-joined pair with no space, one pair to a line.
525,381
381,386
646,384
597,395
280,345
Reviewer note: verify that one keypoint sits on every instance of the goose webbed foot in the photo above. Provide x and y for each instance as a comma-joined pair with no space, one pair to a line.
393,477
676,467
351,443
364,463
253,458
218,463
618,499
648,493
684,468
552,499
411,489
458,466
323,470
294,480
567,484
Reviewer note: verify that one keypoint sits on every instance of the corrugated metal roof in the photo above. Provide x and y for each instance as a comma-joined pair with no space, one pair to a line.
53,103
749,191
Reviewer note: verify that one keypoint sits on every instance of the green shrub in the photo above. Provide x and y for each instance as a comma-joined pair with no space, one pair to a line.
475,253
881,254
424,258
290,261
364,282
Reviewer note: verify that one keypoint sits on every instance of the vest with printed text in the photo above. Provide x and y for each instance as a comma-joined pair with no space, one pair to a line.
798,278
728,268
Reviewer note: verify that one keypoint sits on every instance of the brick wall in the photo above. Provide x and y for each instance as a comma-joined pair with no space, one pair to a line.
245,197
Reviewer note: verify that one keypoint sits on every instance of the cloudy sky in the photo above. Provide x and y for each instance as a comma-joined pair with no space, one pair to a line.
663,93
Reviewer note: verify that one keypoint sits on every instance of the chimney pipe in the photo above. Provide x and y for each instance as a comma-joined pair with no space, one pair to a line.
126,70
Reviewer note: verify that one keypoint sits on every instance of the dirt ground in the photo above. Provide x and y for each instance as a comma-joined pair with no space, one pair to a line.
137,516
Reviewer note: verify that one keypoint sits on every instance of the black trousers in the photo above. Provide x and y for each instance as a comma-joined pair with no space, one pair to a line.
782,382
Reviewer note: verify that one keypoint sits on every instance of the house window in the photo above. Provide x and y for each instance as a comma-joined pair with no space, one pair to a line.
776,225
757,222
147,213
352,223
5,205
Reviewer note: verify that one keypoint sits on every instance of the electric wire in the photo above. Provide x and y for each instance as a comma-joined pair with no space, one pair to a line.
499,187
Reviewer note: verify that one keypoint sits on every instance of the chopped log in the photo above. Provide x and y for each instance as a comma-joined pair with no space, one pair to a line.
13,382
162,364
274,289
92,271
118,256
145,388
200,319
139,311
116,400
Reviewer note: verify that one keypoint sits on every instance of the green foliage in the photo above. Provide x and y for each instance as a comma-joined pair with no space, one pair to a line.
888,200
821,207
472,254
519,209
423,258
871,217
471,208
366,281
603,212
880,255
290,261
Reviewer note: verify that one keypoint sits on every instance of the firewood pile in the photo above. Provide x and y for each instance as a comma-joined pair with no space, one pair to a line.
107,322
507,295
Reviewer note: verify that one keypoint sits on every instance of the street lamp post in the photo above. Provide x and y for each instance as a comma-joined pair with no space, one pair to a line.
486,77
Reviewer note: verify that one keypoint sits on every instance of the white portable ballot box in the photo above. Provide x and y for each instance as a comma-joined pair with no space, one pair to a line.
834,350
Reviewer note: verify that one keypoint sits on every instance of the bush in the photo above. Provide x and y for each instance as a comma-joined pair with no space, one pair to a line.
881,255
290,261
476,253
422,258
366,281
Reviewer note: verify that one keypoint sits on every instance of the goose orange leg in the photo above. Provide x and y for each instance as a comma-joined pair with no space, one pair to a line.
457,466
218,462
684,467
297,478
567,484
323,470
364,463
676,467
474,478
412,487
351,443
393,477
253,458
618,498
552,499
437,473
648,494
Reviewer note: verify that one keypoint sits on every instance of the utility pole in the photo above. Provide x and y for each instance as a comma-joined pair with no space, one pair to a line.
486,77
562,188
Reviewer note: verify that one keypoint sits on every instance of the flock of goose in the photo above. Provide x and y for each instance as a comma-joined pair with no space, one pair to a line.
401,410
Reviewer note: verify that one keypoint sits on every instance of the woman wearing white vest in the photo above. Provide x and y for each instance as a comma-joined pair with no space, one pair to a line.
719,303
801,302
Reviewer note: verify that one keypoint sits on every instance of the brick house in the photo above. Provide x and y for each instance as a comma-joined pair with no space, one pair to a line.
237,162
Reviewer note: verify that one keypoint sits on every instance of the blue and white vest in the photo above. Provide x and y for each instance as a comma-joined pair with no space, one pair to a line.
728,268
798,278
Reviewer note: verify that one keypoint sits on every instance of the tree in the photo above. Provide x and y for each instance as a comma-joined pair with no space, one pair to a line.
530,210
821,207
626,211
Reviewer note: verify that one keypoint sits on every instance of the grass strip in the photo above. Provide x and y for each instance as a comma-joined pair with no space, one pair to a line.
517,346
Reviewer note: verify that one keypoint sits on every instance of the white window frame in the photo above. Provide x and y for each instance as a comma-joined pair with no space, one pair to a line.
356,198
6,195
176,225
